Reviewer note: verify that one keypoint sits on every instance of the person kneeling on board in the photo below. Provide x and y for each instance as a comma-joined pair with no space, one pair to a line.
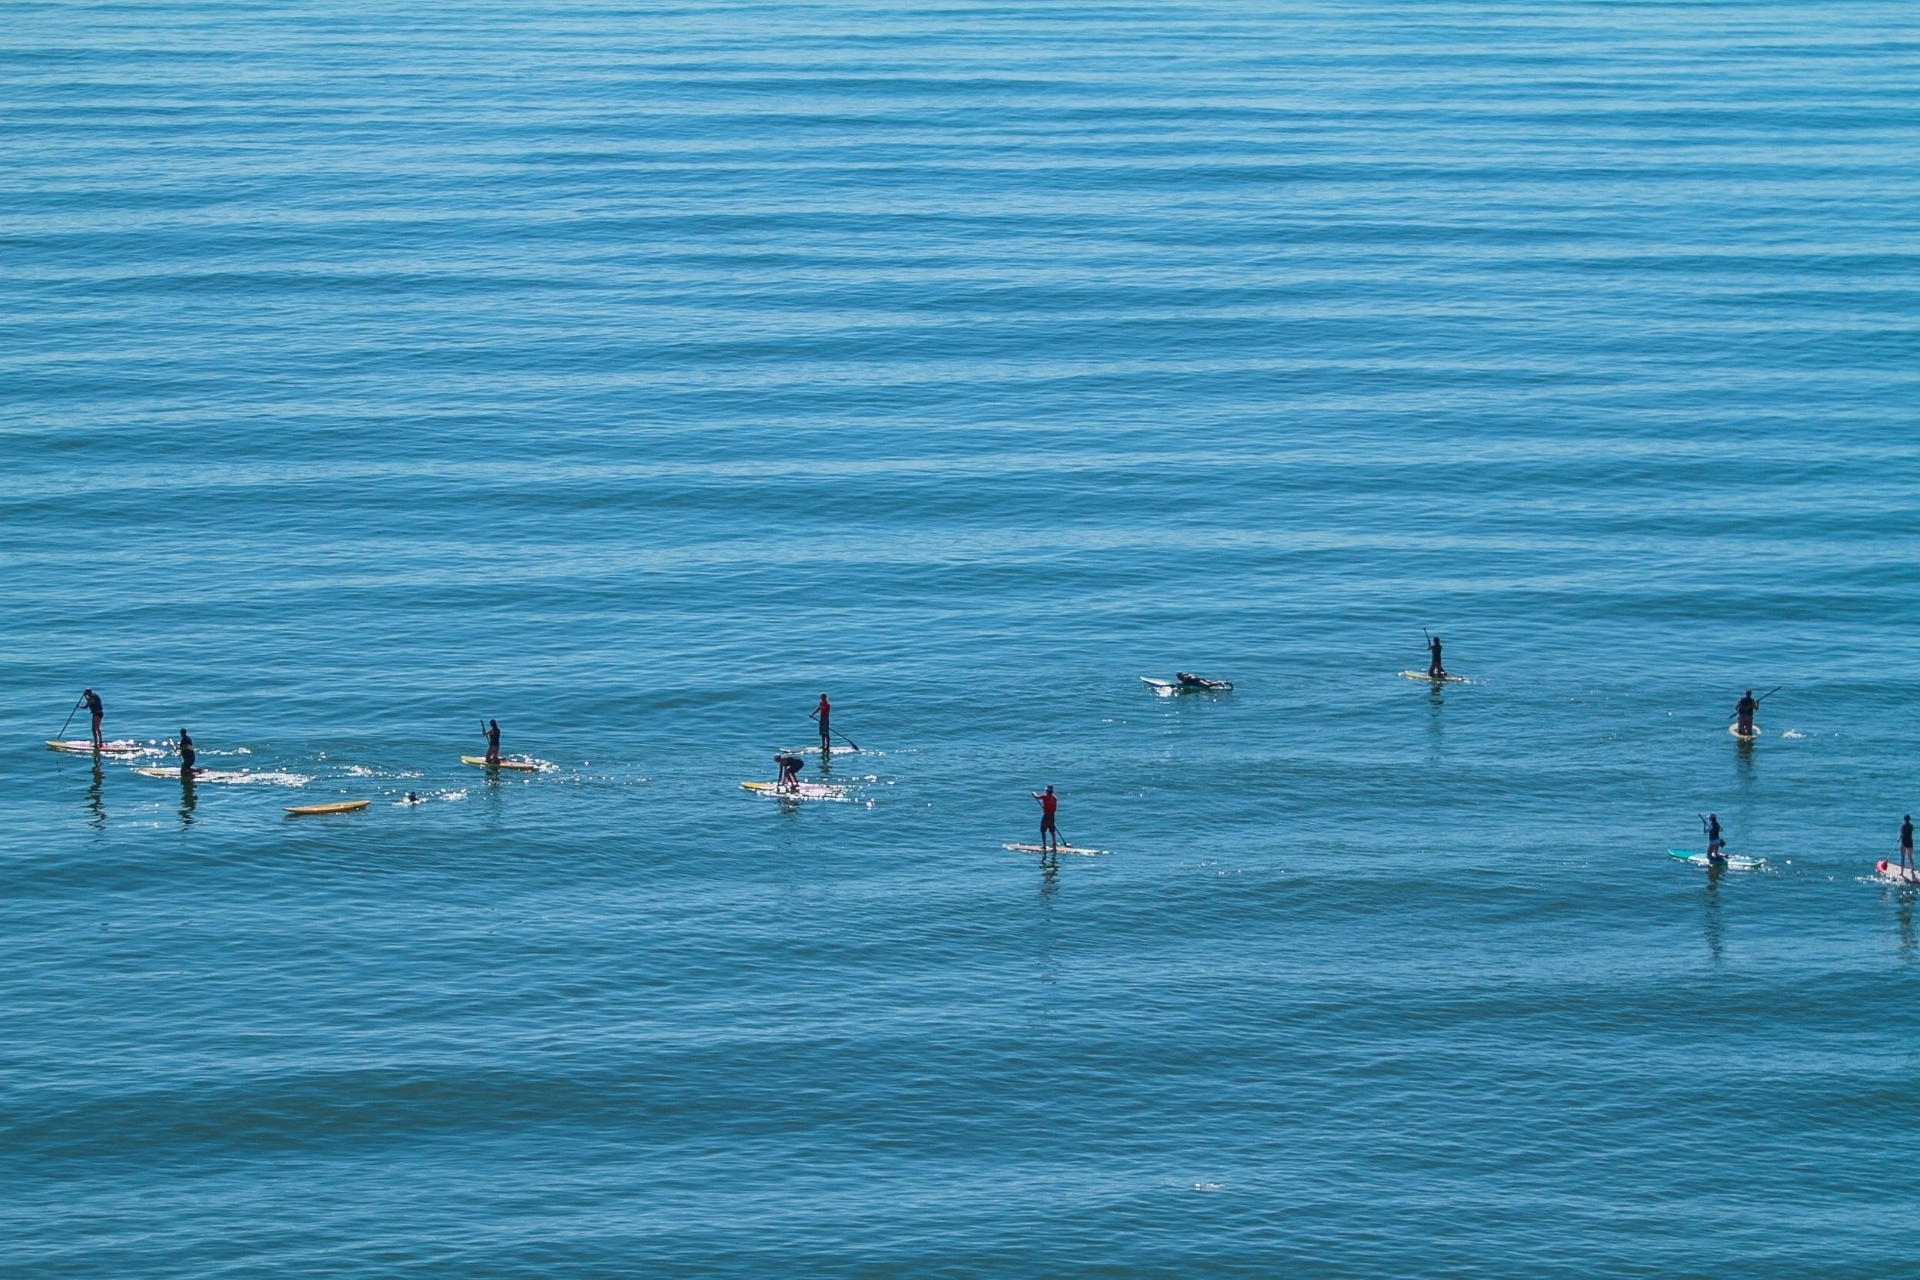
1715,845
1435,671
187,756
1049,808
789,771
492,730
1743,712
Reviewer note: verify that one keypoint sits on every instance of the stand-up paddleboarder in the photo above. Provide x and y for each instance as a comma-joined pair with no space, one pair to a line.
1049,808
824,714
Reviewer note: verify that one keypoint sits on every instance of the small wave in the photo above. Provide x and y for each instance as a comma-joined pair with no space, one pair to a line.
1792,734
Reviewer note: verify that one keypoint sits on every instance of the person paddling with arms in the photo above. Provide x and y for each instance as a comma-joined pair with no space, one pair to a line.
1049,808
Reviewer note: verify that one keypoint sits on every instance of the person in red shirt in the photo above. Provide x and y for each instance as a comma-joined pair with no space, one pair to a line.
1049,805
822,713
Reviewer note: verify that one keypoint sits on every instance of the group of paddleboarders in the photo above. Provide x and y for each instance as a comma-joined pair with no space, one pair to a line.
790,764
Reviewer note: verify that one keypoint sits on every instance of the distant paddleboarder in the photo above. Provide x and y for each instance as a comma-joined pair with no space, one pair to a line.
1435,670
492,731
97,710
824,714
187,757
1049,807
1906,843
789,772
1743,712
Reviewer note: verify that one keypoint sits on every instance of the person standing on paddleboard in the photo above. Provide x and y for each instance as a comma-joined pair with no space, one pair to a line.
187,756
97,710
1434,670
1711,824
824,714
1049,808
789,772
1743,712
492,731
1906,843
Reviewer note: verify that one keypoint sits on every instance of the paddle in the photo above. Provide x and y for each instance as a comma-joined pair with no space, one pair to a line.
69,720
815,715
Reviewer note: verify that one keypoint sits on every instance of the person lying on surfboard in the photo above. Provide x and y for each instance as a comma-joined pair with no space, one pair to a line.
1435,671
1049,807
789,771
1190,681
97,710
187,756
492,731
1743,712
1711,824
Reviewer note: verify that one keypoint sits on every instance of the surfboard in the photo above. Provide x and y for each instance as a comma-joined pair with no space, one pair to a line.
1421,675
1894,871
814,751
807,791
1734,729
524,766
1065,848
1735,862
1174,686
84,746
342,806
199,774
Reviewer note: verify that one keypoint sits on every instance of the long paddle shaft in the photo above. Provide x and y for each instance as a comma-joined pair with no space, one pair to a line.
69,720
815,715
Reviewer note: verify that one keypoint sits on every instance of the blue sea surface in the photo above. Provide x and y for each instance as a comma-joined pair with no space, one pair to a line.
632,374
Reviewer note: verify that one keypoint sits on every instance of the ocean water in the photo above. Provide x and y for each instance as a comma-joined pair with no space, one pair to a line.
633,374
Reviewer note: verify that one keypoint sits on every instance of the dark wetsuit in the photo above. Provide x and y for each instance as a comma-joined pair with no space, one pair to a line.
1906,842
96,709
1434,668
1714,842
1744,710
187,756
493,742
789,772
